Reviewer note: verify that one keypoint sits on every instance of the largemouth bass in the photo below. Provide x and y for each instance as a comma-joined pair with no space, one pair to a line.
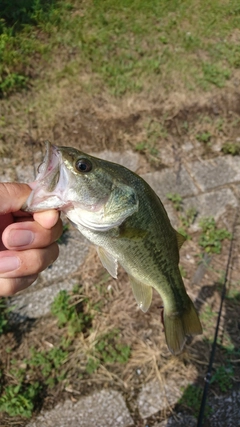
120,213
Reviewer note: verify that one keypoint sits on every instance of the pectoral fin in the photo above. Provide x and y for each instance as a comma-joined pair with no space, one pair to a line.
142,293
108,261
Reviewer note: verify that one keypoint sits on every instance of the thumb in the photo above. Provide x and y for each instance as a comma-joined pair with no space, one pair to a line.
12,196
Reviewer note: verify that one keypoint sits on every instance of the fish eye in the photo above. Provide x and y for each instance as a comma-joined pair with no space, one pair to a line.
83,165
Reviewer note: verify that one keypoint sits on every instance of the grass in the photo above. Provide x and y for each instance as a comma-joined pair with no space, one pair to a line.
127,44
18,400
4,312
108,350
176,200
204,137
192,399
70,313
212,237
223,377
232,148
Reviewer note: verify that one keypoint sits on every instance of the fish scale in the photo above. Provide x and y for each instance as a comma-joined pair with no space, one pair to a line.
118,212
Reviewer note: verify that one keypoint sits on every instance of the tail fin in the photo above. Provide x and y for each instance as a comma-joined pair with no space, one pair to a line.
177,326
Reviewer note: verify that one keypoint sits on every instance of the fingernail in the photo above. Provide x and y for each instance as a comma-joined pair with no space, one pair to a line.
9,263
20,237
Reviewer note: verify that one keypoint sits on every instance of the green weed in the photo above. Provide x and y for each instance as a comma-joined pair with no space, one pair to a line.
188,218
70,314
92,365
176,200
223,378
154,132
19,400
212,237
4,311
108,349
204,137
50,363
191,399
231,148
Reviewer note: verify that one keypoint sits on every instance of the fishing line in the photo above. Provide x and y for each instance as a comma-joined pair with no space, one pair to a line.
207,379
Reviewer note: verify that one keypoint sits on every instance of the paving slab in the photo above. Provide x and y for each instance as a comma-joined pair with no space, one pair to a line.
32,305
215,172
212,204
169,181
72,253
155,397
105,408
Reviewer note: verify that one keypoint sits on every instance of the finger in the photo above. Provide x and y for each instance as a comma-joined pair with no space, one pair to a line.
47,219
30,235
12,196
25,263
10,286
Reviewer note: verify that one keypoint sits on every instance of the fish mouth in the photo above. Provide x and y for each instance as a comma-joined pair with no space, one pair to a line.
50,184
48,170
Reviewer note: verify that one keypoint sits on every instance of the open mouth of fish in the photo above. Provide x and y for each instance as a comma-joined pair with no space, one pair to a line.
51,182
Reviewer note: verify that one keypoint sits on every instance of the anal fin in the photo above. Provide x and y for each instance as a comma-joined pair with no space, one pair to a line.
142,293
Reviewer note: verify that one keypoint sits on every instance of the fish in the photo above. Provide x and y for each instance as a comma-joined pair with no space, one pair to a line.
118,212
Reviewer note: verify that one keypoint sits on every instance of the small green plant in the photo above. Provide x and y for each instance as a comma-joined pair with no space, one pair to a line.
19,400
231,148
141,146
191,398
50,363
204,137
188,217
212,237
176,200
4,311
223,378
108,350
92,365
70,314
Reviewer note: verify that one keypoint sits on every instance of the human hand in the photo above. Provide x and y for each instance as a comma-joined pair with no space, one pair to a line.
27,242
